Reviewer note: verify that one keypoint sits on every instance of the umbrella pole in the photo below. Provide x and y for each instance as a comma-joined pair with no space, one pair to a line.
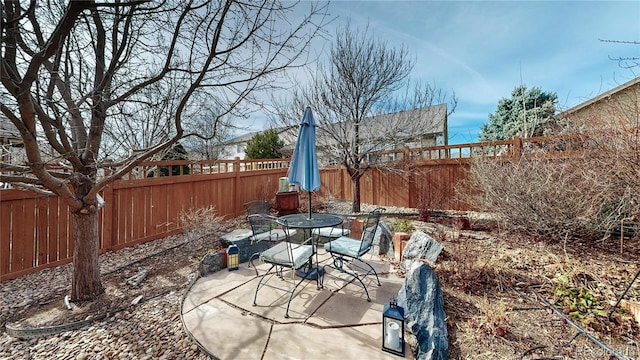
309,192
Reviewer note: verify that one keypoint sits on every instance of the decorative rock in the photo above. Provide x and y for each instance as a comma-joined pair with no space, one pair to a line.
212,263
421,298
420,246
242,239
383,239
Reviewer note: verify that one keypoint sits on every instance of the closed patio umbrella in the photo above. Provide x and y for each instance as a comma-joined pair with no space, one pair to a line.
304,170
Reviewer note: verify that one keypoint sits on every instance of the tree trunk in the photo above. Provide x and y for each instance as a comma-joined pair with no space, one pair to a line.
355,208
86,284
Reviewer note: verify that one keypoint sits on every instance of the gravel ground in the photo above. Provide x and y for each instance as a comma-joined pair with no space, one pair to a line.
151,330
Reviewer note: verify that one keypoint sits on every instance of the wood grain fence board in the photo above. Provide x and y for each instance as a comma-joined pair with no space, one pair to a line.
138,207
42,231
127,213
160,202
64,242
149,228
6,235
121,216
176,204
26,234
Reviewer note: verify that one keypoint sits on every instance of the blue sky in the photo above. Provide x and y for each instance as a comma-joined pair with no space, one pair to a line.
481,50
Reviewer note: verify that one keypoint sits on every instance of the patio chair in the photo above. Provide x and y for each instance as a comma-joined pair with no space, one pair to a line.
266,232
257,207
286,255
332,233
346,252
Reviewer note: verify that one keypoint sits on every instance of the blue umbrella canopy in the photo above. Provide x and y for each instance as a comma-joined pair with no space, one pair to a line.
304,170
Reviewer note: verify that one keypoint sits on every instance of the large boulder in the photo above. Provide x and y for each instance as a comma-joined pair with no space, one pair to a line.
420,246
421,298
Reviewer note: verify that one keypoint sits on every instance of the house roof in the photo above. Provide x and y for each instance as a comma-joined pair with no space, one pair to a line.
8,130
391,129
416,122
431,120
602,96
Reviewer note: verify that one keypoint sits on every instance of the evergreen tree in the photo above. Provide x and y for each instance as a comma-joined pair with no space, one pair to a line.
177,152
265,145
529,112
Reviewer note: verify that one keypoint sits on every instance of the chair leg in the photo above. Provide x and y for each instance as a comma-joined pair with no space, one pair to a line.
293,291
253,257
278,272
255,296
372,270
338,265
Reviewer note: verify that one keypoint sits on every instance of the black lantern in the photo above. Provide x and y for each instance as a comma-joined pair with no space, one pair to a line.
233,253
393,328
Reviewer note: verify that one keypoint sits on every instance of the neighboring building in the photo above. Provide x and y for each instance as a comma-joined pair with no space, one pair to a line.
430,123
11,145
236,147
616,108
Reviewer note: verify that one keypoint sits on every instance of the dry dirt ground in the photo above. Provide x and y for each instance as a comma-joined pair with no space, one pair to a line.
492,286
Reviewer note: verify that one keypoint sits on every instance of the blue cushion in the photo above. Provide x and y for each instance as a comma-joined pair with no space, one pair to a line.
282,253
345,246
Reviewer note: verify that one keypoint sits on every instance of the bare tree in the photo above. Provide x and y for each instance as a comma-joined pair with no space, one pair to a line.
625,62
364,102
208,144
139,125
68,70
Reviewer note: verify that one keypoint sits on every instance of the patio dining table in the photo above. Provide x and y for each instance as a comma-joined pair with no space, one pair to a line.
307,224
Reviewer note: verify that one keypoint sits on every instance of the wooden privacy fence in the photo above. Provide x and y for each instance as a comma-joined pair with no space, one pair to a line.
35,230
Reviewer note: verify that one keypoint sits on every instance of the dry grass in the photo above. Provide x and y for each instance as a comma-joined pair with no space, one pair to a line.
491,284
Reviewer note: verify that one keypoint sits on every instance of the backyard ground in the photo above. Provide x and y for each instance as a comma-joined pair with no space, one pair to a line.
492,286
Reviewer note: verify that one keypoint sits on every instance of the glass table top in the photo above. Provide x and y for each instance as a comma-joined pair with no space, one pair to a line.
302,221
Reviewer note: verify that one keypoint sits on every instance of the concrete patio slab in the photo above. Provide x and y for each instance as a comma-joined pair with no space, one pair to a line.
272,303
300,342
209,287
349,306
335,322
227,333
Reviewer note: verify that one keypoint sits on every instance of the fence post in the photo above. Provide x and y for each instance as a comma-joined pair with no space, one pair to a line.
517,148
107,218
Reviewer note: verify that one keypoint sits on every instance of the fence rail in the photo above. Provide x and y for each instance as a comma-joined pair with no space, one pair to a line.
35,231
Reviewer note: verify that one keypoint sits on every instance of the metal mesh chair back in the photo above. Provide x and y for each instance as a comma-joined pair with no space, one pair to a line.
261,224
257,207
370,227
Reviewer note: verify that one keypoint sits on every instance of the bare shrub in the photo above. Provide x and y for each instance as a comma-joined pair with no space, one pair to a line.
613,159
583,183
200,222
537,197
461,266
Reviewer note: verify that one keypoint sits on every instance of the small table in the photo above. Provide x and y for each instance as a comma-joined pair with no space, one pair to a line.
287,202
302,221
